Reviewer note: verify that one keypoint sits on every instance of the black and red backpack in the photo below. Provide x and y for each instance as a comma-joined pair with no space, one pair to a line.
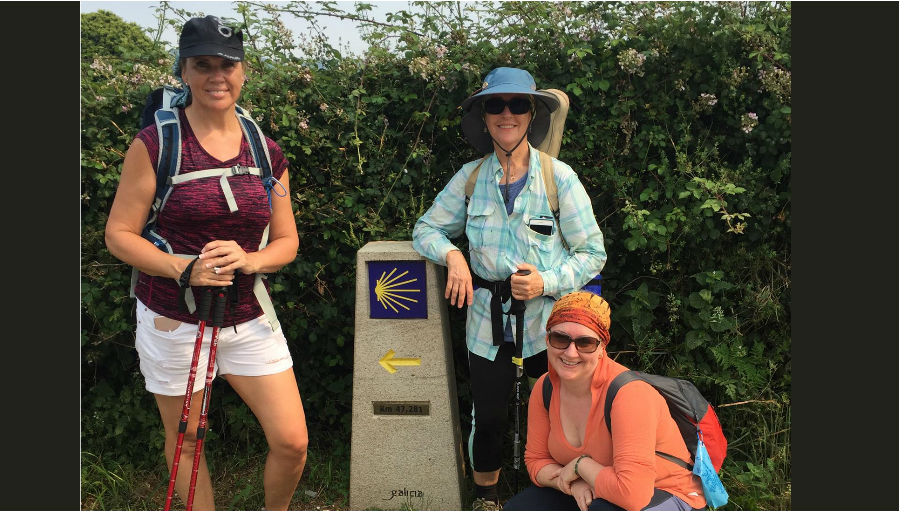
692,413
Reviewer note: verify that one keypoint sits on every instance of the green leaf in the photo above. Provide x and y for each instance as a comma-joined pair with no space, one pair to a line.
695,301
695,338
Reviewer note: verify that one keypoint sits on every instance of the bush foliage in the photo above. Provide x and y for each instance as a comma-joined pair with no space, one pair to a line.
680,129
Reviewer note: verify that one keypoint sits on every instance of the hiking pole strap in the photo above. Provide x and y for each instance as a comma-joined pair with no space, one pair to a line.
186,298
500,293
517,308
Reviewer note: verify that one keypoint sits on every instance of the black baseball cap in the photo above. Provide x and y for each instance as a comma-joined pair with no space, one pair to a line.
209,36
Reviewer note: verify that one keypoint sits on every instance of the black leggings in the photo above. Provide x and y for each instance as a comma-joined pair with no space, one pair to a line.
492,385
536,498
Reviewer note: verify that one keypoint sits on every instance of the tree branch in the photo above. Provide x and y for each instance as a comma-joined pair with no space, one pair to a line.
765,401
307,14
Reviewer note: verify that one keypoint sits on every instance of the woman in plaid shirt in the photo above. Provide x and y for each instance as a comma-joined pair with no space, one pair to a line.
516,248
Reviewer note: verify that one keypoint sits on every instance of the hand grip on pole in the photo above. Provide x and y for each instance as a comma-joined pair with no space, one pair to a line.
516,445
219,310
204,305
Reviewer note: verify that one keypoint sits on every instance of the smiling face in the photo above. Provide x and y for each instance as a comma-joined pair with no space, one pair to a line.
507,128
569,363
215,82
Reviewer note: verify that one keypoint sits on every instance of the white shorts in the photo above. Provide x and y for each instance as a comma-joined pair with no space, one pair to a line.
165,355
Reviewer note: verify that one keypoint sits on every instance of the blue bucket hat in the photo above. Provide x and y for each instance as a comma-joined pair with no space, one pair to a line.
506,80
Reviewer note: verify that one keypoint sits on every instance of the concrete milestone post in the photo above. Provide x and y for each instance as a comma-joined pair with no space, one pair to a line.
406,447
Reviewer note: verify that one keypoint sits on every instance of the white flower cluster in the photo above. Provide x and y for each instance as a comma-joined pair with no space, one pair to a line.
100,65
303,120
434,68
419,66
749,121
708,99
778,82
631,61
738,75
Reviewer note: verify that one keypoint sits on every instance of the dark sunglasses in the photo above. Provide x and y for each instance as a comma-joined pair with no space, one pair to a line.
561,341
517,105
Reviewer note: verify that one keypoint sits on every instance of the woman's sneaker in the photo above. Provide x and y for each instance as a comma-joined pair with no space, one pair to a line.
485,505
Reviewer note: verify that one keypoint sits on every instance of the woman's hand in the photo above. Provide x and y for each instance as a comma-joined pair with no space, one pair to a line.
214,276
567,476
459,280
526,287
583,494
227,256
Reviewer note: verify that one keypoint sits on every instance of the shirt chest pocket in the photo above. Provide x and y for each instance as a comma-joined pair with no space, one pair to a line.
480,227
544,251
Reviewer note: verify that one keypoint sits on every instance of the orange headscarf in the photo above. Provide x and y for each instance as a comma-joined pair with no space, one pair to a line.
585,309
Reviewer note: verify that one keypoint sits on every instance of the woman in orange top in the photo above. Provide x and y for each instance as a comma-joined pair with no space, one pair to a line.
573,460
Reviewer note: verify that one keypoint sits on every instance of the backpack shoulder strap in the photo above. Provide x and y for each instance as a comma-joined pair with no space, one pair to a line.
614,386
550,190
473,177
256,139
549,182
547,390
260,152
168,163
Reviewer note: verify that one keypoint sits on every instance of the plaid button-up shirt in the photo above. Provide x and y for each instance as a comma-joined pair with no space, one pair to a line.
498,242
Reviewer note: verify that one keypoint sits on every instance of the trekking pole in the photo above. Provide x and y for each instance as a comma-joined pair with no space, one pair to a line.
217,320
202,315
516,439
517,307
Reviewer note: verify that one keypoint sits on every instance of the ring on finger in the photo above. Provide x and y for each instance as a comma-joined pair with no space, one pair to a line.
216,270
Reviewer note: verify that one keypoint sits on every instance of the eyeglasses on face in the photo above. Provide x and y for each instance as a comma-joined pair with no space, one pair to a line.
517,105
561,341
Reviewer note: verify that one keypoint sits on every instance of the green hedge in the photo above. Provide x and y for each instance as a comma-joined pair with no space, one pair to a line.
679,128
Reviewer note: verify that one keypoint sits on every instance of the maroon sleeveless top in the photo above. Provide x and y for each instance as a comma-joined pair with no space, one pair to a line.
197,213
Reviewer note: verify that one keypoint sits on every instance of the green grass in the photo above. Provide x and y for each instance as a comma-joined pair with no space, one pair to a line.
756,472
108,483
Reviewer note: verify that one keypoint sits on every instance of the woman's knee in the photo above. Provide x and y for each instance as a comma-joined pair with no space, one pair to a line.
535,497
292,445
514,504
490,420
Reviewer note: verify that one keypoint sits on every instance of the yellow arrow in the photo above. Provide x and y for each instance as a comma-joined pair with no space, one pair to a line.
388,362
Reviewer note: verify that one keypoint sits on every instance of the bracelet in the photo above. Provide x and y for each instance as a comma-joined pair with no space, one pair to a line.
185,278
579,461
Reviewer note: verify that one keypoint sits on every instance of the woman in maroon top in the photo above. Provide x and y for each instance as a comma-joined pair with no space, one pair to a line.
253,355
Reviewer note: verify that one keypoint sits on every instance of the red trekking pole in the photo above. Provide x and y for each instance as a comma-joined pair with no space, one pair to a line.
217,320
202,315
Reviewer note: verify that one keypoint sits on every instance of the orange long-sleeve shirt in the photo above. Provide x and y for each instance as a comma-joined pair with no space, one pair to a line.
641,425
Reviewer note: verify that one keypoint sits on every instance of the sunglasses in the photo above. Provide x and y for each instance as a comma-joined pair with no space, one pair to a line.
562,341
517,105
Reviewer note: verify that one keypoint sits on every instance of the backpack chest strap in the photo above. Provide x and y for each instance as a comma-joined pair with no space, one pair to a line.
224,174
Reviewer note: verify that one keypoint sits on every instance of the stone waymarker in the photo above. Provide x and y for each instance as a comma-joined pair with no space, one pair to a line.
406,448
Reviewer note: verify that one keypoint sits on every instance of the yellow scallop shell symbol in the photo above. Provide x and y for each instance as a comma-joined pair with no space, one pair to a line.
388,292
